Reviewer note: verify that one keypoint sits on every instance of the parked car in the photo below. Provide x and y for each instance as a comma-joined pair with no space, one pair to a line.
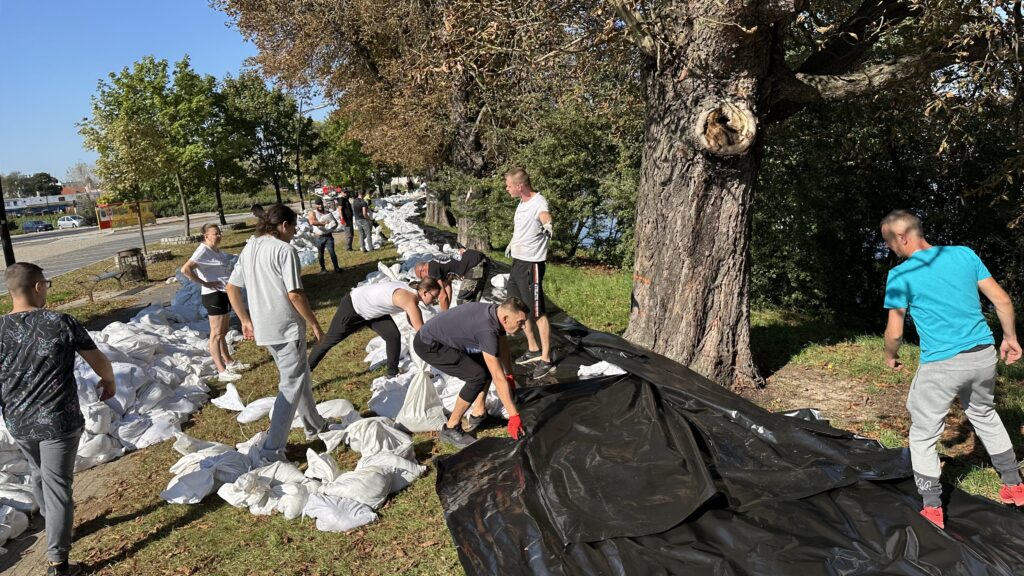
36,226
70,221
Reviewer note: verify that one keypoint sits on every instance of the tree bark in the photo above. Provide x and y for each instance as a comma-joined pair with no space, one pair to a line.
184,203
142,231
699,166
467,156
437,208
472,231
277,190
220,200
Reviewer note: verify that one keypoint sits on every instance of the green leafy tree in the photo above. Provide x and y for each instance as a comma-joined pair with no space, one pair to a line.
341,161
43,184
17,185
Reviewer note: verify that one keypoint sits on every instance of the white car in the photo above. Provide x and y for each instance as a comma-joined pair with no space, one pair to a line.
70,222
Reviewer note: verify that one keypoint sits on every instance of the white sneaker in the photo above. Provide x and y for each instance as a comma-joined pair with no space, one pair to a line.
228,376
237,367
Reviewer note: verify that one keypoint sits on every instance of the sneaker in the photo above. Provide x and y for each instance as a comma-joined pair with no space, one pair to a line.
474,422
455,437
238,367
542,369
1012,494
528,358
934,515
64,568
228,376
323,271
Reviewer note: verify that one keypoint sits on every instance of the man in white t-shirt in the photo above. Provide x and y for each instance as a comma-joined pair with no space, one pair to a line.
268,268
529,252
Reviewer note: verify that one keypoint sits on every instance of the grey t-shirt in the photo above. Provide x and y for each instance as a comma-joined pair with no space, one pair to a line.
357,209
470,327
38,392
269,269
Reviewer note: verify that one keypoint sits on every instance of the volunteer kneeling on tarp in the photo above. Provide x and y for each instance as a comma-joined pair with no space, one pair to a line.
372,305
39,399
468,342
939,285
268,268
471,268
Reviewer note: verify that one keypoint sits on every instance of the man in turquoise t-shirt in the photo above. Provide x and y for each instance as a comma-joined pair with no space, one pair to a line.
939,285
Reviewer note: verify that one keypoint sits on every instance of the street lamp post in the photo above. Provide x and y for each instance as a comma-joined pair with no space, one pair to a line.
5,233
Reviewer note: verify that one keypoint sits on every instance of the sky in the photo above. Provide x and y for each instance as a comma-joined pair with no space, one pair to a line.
53,52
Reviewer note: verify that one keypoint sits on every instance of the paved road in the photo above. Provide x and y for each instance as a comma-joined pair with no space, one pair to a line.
71,249
37,236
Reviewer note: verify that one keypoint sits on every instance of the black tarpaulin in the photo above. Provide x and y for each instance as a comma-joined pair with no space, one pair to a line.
661,471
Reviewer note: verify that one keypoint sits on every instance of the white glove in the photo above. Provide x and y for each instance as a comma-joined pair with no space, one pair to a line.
508,250
549,229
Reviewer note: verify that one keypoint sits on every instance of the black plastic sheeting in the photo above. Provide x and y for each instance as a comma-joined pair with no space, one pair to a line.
661,471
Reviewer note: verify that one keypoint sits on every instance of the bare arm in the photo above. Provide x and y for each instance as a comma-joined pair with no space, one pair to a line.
238,305
500,384
894,337
1009,350
506,354
301,305
444,299
410,303
544,217
189,271
101,366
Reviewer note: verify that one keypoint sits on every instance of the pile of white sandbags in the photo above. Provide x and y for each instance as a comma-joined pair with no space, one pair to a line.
160,360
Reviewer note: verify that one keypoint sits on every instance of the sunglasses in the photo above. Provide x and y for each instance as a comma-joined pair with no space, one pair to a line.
48,283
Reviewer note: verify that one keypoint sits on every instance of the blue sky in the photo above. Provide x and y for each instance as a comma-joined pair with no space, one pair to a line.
52,53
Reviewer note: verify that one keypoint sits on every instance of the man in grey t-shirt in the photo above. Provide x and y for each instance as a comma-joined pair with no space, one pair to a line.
276,317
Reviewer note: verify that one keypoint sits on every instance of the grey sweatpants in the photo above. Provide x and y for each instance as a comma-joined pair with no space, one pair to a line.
294,396
365,229
53,468
972,377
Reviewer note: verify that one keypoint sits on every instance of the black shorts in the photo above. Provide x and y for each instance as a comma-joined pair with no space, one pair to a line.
462,365
527,283
216,304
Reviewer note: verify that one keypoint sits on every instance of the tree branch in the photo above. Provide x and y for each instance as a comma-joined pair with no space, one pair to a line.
635,27
855,36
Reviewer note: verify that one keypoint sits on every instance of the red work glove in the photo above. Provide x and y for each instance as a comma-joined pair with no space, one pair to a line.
511,382
515,427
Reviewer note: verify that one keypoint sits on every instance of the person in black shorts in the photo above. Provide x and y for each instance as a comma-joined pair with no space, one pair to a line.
529,251
211,268
468,342
471,269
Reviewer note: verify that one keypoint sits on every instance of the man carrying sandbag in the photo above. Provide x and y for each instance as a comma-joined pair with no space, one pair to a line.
471,268
39,399
469,342
372,305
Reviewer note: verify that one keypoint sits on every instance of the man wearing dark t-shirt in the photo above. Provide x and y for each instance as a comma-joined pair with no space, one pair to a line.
471,268
39,399
343,213
361,217
468,342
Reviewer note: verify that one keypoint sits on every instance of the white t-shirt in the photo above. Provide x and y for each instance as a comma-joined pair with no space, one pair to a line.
212,266
529,243
326,223
269,269
377,300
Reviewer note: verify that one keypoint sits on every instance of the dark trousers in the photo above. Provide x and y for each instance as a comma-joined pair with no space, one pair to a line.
463,365
346,237
326,242
346,322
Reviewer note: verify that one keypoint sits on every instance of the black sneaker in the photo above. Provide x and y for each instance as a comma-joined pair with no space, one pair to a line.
542,369
528,358
63,569
474,422
455,437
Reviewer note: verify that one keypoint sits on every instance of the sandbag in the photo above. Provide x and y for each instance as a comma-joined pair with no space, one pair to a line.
422,410
256,409
337,514
370,486
230,400
373,435
403,472
320,466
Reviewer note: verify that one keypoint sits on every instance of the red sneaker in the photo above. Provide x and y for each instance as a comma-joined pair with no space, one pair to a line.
934,515
1012,494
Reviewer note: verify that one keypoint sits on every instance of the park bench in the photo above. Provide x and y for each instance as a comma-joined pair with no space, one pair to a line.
95,279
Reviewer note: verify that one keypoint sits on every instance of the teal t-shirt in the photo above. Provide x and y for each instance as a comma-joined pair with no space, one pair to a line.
940,287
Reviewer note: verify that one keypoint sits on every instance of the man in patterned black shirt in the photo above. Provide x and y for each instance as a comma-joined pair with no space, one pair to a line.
39,399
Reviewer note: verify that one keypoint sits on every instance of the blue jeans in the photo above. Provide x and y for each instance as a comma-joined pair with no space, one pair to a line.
326,242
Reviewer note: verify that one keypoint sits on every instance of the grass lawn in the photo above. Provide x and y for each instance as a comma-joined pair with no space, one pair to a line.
135,532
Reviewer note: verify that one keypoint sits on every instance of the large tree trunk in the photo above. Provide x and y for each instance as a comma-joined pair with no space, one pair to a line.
184,204
472,231
692,270
437,208
467,156
277,189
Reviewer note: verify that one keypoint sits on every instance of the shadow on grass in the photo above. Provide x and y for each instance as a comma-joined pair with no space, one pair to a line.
104,520
776,336
194,513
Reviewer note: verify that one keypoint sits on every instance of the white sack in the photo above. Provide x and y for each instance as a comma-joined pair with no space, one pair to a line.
335,514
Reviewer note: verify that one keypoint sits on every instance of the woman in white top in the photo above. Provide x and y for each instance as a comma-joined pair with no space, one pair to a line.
210,268
372,305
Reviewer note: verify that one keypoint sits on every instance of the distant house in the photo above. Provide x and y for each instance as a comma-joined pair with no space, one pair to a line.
65,202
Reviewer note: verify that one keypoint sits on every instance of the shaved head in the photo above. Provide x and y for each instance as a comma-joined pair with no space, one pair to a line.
21,277
903,222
